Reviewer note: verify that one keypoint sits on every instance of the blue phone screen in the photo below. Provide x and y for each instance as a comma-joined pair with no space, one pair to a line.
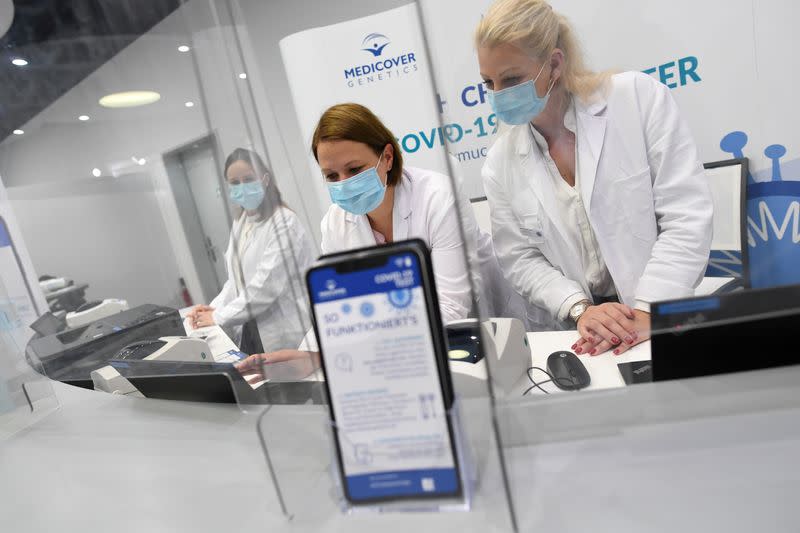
383,379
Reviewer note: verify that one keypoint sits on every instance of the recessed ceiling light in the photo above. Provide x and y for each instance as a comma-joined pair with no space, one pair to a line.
183,48
18,61
129,99
243,76
83,118
18,132
142,161
96,172
189,104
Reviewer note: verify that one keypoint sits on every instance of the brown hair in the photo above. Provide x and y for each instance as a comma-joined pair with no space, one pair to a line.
354,122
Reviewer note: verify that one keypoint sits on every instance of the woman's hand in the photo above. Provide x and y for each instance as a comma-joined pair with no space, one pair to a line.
282,365
196,309
605,326
201,316
641,324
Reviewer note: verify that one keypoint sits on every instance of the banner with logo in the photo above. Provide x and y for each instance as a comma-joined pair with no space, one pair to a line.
726,61
377,61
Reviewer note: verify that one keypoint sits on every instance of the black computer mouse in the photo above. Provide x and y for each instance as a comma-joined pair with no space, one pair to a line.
567,371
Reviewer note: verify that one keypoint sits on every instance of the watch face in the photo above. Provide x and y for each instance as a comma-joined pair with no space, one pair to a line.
578,310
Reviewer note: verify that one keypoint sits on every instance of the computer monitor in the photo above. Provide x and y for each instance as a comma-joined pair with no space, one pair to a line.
213,383
721,333
727,181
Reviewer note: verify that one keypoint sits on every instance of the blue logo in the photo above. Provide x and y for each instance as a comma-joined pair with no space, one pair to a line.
367,309
380,67
346,308
374,43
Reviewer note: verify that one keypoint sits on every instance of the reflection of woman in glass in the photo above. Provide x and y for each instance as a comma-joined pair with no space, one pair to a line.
262,301
596,193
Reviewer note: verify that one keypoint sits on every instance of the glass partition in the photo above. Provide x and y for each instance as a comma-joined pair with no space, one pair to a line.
26,395
654,250
599,214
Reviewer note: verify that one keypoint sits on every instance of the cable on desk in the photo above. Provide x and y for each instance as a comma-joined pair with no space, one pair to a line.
537,385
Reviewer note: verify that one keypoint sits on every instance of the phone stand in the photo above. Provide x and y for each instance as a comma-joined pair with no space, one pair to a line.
302,461
465,471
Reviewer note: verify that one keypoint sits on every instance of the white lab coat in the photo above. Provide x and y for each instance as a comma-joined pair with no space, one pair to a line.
644,189
273,267
424,208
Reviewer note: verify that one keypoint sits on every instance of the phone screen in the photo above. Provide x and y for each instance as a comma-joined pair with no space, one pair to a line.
385,390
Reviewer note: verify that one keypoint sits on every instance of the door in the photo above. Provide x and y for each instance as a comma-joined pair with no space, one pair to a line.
202,175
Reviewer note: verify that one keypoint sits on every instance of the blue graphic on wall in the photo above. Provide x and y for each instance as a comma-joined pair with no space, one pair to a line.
773,217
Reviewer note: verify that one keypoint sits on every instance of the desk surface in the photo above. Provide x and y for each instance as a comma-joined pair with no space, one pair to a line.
105,462
602,368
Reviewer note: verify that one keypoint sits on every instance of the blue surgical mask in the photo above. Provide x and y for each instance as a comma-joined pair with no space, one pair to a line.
360,194
248,195
519,104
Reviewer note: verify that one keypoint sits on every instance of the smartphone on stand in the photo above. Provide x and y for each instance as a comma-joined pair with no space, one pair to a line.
383,353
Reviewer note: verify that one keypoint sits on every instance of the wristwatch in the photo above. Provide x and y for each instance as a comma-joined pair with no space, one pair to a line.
578,309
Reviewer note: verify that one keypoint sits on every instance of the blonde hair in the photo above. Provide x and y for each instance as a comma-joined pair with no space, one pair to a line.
535,27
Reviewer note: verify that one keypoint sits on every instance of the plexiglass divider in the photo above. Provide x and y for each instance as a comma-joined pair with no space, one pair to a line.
559,434
26,394
297,439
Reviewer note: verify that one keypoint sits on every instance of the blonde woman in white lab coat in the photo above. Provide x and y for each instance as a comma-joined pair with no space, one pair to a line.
263,302
599,204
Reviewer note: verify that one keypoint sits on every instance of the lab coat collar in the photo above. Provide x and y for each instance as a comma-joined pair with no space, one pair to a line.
592,130
591,125
403,205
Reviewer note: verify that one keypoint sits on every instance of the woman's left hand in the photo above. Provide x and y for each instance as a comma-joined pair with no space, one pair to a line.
203,318
641,320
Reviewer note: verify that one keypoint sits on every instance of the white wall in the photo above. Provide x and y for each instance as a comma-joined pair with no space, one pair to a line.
108,232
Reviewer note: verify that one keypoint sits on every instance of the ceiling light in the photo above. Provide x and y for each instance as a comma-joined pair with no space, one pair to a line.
18,61
242,76
18,132
83,118
183,48
129,99
189,104
142,161
96,172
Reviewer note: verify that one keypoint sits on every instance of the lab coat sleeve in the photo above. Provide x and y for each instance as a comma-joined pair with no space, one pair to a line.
273,276
227,293
224,296
478,243
447,253
522,262
681,195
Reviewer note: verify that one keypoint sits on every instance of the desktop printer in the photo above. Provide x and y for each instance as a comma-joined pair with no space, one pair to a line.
177,349
71,354
94,311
